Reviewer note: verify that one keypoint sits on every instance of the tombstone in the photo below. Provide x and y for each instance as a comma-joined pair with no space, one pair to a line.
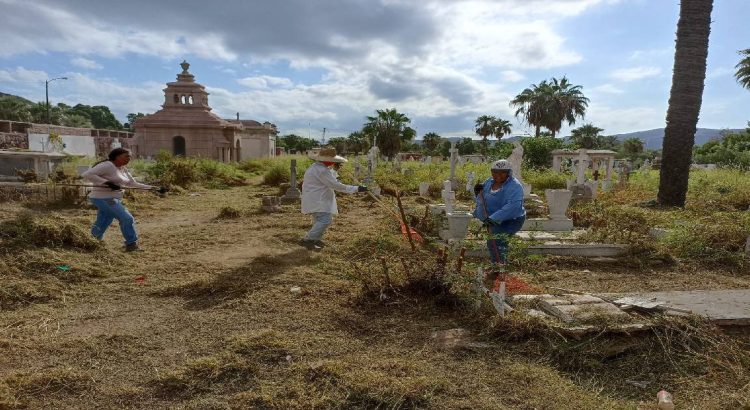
357,170
397,164
646,165
424,189
292,194
558,201
470,181
428,160
454,161
409,172
376,191
516,159
605,185
458,225
270,204
449,196
583,162
115,144
594,187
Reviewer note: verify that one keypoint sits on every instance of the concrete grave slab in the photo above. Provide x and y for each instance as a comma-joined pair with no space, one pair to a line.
723,307
570,313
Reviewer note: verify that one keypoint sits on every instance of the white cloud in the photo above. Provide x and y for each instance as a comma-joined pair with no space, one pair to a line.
635,73
22,75
511,76
721,72
86,63
265,81
608,89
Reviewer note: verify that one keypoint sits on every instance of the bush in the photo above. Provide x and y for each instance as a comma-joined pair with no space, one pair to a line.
28,229
185,172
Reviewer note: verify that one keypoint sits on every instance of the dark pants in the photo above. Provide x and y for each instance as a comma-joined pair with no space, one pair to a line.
502,234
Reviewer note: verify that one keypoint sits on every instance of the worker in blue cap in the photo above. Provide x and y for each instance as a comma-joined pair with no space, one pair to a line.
499,205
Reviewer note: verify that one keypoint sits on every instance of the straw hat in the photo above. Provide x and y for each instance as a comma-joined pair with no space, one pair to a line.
328,154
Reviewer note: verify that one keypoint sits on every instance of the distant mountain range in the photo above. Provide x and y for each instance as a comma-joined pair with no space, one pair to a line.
652,139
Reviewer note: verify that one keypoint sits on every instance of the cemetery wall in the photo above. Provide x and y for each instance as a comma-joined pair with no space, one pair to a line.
13,140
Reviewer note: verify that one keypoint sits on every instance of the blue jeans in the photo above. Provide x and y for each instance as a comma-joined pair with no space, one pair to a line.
505,230
109,210
321,220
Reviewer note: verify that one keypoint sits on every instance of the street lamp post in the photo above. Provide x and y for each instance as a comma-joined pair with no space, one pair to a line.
46,93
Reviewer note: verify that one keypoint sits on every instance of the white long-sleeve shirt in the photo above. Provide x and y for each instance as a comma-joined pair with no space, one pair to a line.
107,172
318,188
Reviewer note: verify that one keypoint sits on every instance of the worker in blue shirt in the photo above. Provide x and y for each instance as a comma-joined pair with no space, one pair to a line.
499,206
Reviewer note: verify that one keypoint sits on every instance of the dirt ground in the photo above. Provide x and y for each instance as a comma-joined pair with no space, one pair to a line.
205,319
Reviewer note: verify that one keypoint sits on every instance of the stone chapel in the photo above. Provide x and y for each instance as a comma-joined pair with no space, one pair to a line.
185,126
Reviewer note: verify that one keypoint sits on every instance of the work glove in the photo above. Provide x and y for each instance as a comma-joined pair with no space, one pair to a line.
488,223
113,186
478,188
362,188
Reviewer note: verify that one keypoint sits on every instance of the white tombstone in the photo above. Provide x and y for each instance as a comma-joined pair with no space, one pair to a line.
454,161
428,160
470,181
448,196
293,193
357,170
376,191
516,159
583,164
458,224
558,201
424,189
115,144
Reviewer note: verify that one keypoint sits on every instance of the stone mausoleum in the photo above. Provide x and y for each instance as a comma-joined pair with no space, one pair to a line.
186,126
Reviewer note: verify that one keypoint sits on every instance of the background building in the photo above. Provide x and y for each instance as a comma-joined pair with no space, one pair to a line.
186,126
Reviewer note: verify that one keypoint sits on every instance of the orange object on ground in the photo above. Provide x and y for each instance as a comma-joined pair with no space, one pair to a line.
414,235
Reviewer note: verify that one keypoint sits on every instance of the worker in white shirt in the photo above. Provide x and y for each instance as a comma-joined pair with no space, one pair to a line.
109,177
319,197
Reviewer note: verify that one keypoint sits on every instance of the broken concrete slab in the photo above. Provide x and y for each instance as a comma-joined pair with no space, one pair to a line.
570,313
729,307
544,224
578,249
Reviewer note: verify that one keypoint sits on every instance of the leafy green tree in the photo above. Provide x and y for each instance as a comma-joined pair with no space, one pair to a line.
99,115
293,142
357,142
431,142
743,69
466,146
586,136
501,149
389,128
609,142
632,147
685,98
132,118
340,144
75,120
537,151
13,109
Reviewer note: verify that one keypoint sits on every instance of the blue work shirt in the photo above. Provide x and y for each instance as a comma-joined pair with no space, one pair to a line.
503,205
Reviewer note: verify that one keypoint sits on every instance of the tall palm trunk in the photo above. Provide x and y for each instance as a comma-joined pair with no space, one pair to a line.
691,51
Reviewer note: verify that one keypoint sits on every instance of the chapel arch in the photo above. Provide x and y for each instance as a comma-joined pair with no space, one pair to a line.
178,146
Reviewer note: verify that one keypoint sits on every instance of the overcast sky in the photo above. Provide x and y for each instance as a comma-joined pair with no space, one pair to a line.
305,64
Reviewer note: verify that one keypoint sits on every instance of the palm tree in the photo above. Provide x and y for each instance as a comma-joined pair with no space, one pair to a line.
586,136
685,98
388,128
743,69
530,104
500,128
483,128
565,104
431,142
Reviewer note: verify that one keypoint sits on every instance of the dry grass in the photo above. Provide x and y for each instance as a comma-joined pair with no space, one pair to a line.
212,322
